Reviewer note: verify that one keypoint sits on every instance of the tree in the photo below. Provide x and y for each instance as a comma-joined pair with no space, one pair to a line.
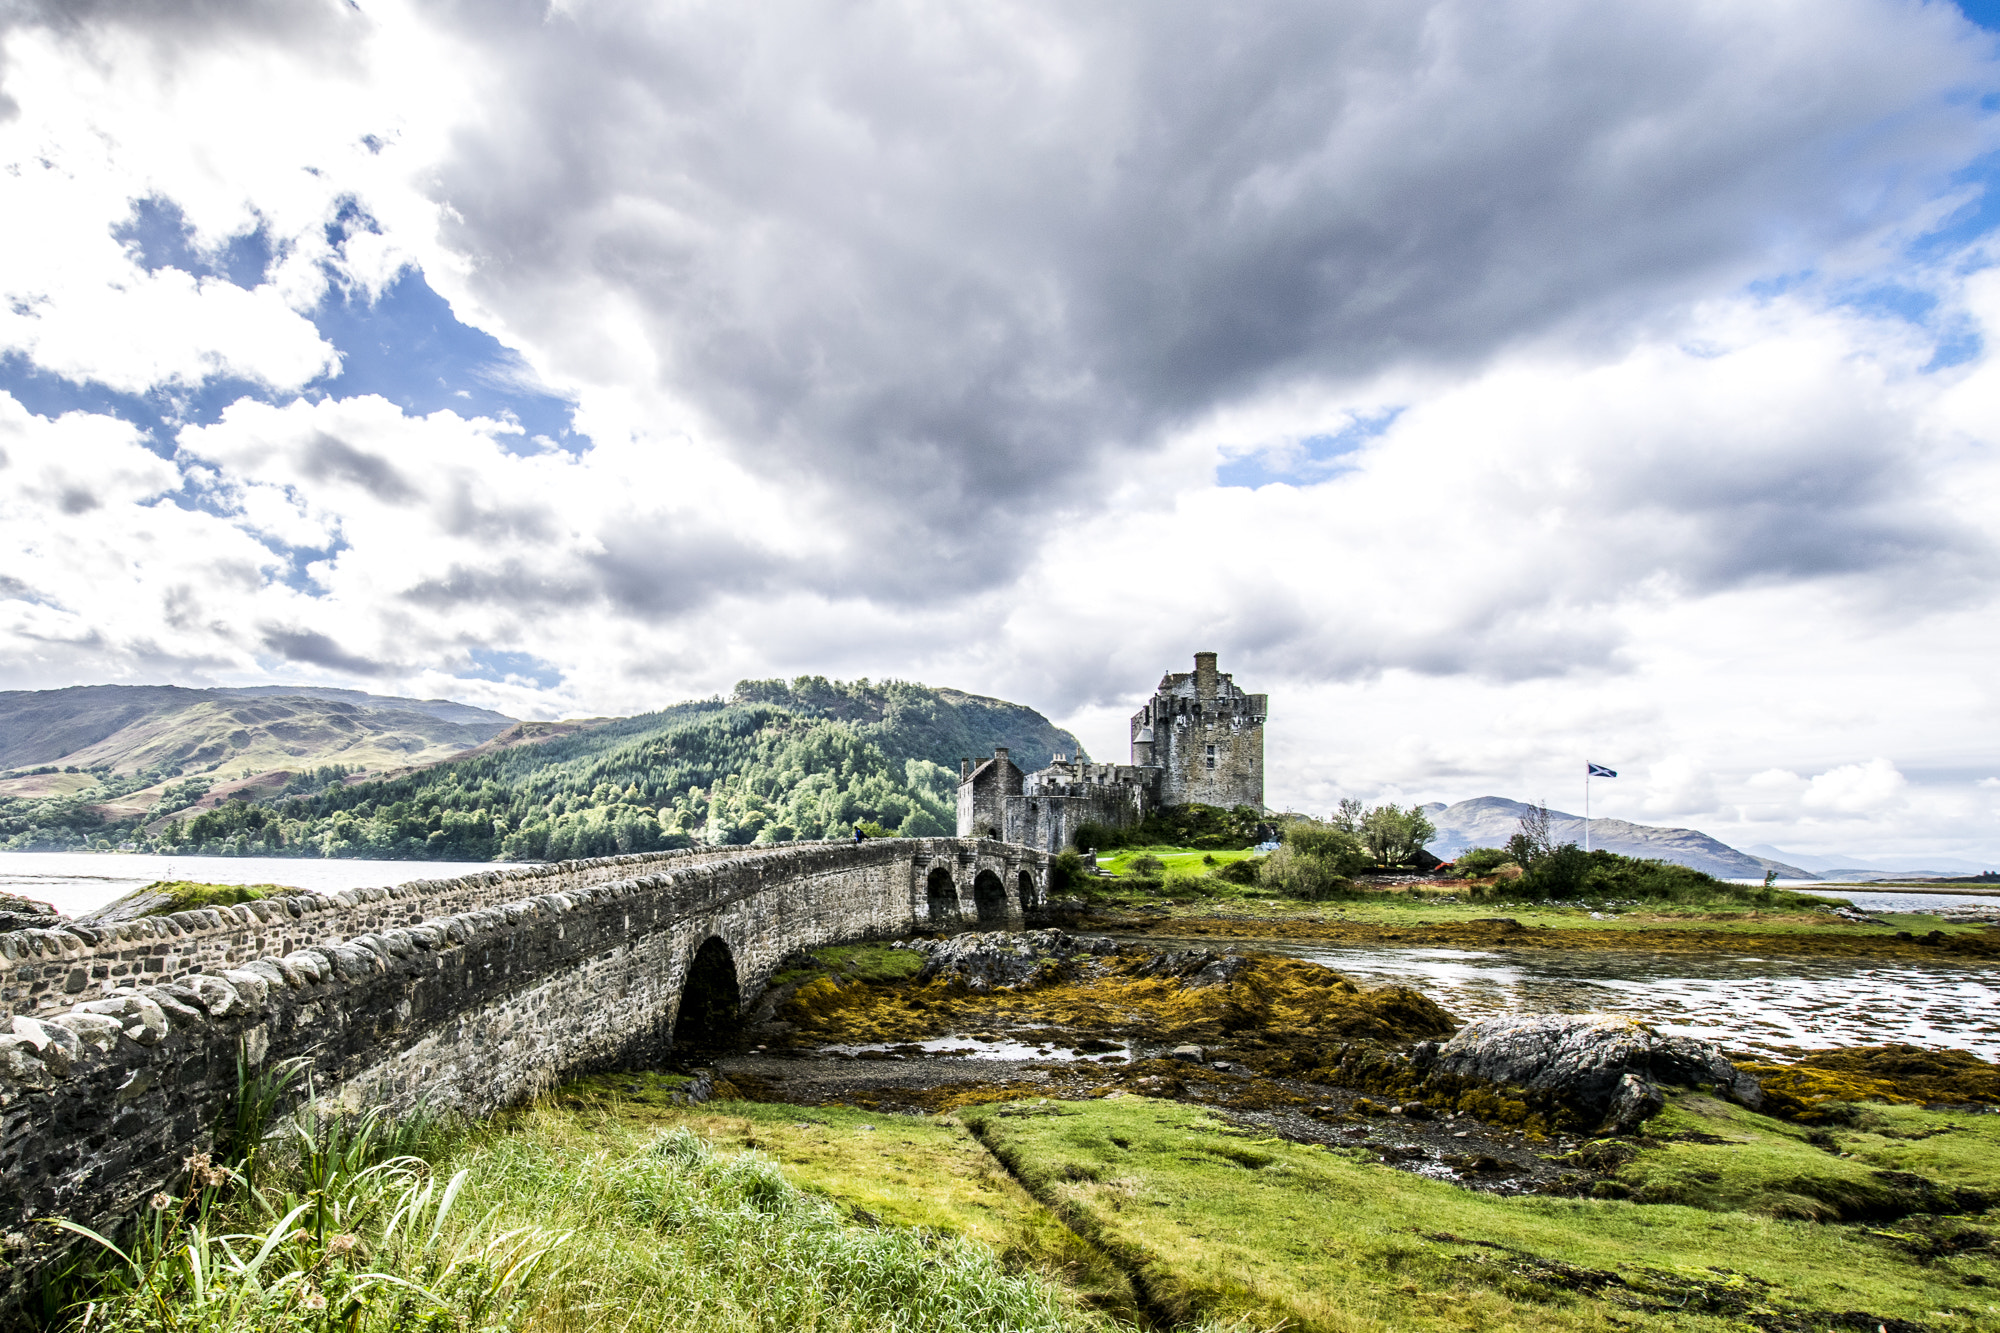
1532,841
1348,815
1393,836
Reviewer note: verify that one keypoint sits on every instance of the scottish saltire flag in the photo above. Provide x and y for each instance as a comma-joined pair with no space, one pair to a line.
1598,771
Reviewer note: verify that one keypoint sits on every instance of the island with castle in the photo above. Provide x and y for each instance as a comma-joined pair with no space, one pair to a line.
1198,740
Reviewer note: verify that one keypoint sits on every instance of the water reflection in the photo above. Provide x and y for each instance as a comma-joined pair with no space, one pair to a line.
1743,1002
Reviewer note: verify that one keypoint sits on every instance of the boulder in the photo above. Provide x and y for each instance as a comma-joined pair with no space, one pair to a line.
1001,958
27,914
1600,1065
1196,969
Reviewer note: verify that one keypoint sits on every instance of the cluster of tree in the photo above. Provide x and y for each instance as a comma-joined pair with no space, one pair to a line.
1391,835
50,824
317,780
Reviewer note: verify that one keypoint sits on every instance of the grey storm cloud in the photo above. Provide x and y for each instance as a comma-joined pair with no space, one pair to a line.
944,265
316,649
326,458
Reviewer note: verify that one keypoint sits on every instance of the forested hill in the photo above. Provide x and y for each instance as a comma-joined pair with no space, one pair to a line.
777,761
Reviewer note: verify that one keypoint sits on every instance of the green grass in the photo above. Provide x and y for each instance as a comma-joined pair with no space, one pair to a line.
1187,859
1225,1226
1774,1169
888,1170
185,895
875,963
644,1222
1043,1215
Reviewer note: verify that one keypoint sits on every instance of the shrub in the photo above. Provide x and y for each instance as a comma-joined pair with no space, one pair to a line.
1068,873
1242,872
1342,851
1297,875
1561,872
1147,866
1482,861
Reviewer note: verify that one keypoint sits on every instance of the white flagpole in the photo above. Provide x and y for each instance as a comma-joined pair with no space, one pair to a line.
1586,808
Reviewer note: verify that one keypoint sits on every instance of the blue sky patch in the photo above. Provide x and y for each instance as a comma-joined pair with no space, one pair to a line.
407,346
1313,459
494,665
1986,13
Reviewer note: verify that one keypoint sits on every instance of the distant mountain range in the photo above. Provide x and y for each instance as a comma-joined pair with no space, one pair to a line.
1488,821
1860,869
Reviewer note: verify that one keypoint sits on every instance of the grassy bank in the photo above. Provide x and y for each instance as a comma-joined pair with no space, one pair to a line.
571,1218
1187,892
608,1207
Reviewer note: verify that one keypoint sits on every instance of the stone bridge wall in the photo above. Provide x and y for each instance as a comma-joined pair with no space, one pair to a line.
516,980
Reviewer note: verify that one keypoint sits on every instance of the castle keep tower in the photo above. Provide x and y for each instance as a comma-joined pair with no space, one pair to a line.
1204,737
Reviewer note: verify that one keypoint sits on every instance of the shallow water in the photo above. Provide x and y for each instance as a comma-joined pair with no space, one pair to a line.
1742,1002
1908,902
977,1048
77,882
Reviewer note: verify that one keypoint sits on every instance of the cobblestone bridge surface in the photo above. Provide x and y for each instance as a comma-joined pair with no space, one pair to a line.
119,1044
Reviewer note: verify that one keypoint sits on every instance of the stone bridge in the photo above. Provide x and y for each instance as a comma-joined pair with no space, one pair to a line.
119,1044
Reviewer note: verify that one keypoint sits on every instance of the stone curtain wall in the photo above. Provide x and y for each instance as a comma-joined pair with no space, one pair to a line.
522,978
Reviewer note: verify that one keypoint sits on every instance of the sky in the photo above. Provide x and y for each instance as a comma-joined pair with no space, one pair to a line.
1496,384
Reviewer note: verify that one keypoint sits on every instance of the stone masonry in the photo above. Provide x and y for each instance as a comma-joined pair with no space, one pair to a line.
1199,739
470,993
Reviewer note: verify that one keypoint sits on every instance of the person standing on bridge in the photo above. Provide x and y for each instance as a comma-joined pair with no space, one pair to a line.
859,835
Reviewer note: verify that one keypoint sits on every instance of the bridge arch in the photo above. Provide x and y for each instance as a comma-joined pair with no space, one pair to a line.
1024,890
941,899
989,899
711,1007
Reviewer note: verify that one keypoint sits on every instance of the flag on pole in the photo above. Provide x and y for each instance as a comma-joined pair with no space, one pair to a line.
1598,770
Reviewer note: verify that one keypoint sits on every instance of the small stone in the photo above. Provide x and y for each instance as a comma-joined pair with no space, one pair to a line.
95,1031
19,1062
1193,1055
143,1020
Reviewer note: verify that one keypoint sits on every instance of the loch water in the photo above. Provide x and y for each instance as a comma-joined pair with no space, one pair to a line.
79,882
1742,1001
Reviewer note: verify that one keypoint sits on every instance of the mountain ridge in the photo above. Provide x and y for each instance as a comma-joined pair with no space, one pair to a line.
1488,821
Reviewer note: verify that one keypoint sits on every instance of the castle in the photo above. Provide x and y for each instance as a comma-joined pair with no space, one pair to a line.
1198,739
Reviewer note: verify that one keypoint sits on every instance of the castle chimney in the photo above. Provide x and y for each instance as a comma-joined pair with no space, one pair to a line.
999,754
964,769
1204,675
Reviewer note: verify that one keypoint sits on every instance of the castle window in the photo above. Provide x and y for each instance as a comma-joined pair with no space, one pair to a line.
1211,756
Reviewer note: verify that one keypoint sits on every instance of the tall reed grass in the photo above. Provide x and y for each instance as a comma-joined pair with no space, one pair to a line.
356,1223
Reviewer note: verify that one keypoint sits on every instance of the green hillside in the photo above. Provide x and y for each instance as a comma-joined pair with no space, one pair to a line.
777,761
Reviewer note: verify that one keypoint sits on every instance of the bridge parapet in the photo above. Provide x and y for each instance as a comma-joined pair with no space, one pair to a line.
470,993
46,971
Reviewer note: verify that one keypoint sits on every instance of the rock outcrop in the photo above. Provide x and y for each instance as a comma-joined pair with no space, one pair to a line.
27,914
997,959
1599,1065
